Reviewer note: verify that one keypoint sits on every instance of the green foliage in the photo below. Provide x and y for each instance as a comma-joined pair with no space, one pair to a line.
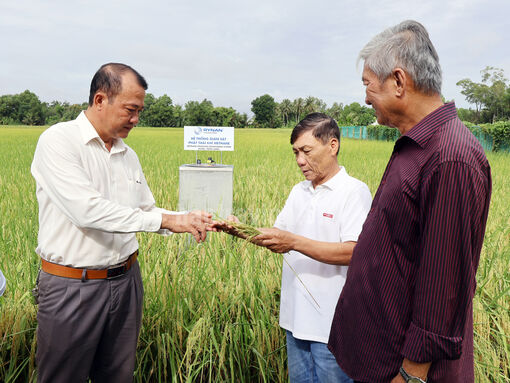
286,110
264,109
298,106
335,111
229,117
24,108
204,113
467,115
58,112
291,112
211,310
500,134
495,137
356,115
199,113
313,105
158,112
491,97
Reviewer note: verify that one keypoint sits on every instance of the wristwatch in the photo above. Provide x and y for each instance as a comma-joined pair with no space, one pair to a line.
409,378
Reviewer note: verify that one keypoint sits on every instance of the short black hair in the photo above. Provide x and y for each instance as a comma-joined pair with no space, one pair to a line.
108,79
324,128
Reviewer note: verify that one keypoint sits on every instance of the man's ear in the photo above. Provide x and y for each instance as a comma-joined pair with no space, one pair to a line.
334,144
401,81
100,100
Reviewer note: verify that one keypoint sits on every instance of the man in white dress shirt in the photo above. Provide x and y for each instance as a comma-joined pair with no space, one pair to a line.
93,198
317,230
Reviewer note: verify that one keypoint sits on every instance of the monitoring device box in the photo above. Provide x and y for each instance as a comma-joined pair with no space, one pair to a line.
206,187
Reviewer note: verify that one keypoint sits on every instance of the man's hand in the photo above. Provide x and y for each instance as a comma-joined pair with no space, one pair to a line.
197,223
226,226
276,240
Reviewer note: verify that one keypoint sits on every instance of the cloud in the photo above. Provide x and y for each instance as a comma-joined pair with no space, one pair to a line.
231,52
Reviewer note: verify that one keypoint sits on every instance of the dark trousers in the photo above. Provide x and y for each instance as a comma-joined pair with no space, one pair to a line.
88,329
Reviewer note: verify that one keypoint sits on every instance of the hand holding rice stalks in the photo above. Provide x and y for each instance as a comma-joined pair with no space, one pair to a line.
248,232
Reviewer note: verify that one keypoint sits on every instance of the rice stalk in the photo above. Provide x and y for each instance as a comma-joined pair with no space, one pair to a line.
249,232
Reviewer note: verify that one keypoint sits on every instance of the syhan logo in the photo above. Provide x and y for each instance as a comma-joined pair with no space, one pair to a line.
198,130
327,215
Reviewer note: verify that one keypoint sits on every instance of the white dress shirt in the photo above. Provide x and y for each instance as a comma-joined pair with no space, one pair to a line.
91,201
332,212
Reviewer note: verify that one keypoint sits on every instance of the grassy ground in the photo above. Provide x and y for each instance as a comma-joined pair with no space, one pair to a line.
211,311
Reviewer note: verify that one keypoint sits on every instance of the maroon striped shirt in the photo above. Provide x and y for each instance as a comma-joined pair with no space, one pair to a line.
411,281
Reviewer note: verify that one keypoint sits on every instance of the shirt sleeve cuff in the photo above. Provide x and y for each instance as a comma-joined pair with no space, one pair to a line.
350,238
151,221
422,346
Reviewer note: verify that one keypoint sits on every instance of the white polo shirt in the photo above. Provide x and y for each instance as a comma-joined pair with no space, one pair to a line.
332,212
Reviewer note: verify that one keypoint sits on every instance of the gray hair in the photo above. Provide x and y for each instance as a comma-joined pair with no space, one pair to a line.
407,46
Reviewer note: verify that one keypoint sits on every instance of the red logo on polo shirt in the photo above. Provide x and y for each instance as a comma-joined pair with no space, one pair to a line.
327,215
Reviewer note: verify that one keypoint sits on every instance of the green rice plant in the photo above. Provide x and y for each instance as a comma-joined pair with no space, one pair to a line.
249,233
211,310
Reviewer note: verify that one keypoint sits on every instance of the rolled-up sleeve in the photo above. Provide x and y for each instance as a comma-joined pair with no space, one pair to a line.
451,220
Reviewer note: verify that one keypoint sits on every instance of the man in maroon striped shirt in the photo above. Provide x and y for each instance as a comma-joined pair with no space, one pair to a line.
405,312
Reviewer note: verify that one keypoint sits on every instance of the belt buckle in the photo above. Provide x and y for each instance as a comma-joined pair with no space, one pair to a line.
116,272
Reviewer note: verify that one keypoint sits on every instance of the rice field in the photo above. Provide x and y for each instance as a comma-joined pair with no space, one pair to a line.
211,310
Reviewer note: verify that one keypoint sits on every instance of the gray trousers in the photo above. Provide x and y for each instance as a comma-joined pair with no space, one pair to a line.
88,329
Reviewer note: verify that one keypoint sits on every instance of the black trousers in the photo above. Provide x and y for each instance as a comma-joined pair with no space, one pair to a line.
88,329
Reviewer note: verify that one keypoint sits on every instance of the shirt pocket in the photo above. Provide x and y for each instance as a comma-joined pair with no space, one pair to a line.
135,188
328,225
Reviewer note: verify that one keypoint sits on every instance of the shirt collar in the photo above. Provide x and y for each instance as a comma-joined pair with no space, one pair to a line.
333,183
89,133
427,127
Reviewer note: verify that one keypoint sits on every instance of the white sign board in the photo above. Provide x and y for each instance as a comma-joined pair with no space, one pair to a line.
209,138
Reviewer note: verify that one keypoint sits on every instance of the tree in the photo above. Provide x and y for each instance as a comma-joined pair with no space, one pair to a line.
26,108
145,115
357,115
179,116
240,120
72,111
336,110
30,110
467,114
264,109
160,112
23,108
474,94
198,113
297,106
55,111
8,106
285,108
490,97
313,105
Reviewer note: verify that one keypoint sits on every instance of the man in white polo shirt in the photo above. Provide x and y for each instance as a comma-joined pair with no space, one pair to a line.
317,230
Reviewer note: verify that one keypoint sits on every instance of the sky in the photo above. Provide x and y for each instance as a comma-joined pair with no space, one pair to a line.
231,52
